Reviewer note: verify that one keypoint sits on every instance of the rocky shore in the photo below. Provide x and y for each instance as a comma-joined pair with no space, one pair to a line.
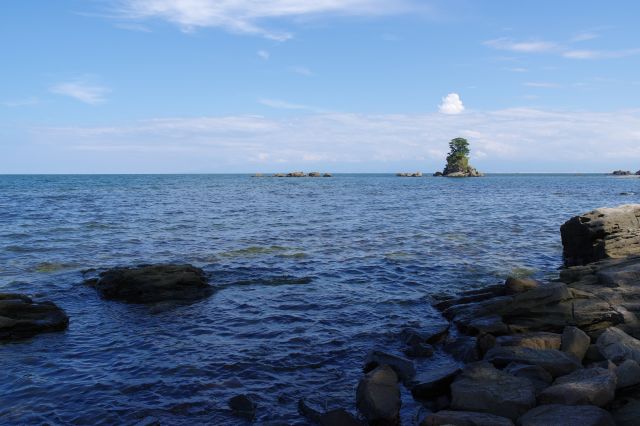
529,353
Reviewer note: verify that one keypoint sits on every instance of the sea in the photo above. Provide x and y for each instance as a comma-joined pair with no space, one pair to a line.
310,275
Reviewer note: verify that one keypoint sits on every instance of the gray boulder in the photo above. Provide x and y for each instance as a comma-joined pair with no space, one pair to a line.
153,283
575,342
617,346
520,285
21,317
404,368
600,234
378,396
538,376
592,386
481,387
566,415
628,374
464,418
430,385
555,362
532,340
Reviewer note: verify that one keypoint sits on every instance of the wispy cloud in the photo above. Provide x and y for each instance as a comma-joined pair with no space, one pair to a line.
600,54
30,101
82,91
298,69
264,54
584,36
542,84
280,104
531,46
248,16
451,104
517,136
565,50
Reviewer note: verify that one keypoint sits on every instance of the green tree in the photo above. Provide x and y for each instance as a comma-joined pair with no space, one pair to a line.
458,158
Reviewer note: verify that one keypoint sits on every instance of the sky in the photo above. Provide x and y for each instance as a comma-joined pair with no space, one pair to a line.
244,86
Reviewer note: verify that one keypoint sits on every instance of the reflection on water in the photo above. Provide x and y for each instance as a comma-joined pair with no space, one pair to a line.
311,274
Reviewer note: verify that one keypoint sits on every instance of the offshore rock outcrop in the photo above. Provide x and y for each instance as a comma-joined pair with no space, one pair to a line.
21,317
152,284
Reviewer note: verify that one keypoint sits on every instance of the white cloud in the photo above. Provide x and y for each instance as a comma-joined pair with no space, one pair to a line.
280,104
247,16
509,140
451,104
30,101
298,69
542,84
584,36
522,46
600,54
82,91
264,54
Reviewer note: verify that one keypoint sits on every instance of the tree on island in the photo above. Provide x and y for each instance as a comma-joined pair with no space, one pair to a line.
458,160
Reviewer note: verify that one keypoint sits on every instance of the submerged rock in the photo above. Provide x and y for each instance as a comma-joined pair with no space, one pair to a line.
378,396
153,283
243,406
566,415
481,387
600,234
464,418
593,386
21,317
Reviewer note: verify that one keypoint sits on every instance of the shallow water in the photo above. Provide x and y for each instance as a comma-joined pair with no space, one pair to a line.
312,273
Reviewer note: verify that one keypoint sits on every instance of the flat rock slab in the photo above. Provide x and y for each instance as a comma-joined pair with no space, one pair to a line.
616,345
557,363
593,386
404,368
153,283
566,415
21,317
464,418
483,388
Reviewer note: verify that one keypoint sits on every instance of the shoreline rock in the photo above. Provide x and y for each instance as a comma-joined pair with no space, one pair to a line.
152,284
22,318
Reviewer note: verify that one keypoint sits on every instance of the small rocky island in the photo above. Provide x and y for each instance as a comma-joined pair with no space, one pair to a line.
625,173
458,161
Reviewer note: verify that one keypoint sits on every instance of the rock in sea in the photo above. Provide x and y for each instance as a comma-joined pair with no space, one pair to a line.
378,396
153,283
21,317
243,406
481,387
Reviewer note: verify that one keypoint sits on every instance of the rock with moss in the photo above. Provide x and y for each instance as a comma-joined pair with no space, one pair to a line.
458,160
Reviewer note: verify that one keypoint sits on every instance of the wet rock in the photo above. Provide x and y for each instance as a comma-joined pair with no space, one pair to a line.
616,345
600,234
575,342
481,387
592,386
378,396
243,406
338,417
463,349
419,350
464,418
533,340
21,317
434,384
566,415
628,374
520,285
431,336
538,376
555,362
404,368
153,283
627,412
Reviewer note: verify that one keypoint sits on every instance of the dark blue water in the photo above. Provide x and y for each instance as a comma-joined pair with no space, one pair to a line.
312,273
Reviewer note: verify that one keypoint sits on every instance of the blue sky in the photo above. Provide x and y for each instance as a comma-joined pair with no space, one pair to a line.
145,86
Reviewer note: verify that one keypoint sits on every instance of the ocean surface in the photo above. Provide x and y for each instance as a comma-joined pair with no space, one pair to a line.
311,274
